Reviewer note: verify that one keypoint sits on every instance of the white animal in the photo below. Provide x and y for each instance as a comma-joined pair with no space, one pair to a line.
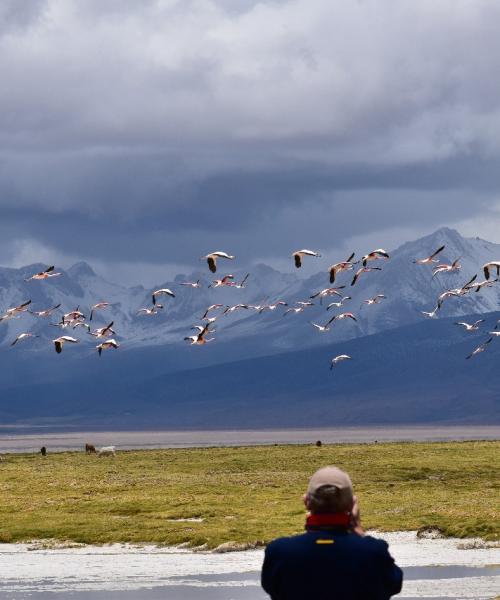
430,259
44,313
374,256
338,359
455,266
297,256
359,272
338,304
212,259
376,300
98,306
163,291
23,336
472,326
480,348
107,345
43,274
107,451
60,341
491,266
337,268
193,284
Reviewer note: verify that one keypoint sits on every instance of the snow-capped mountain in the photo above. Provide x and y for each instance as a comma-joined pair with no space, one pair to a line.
263,369
409,289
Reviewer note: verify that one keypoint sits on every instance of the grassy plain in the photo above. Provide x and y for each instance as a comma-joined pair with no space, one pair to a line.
245,495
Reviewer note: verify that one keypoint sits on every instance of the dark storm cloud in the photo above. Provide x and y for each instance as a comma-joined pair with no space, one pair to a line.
136,131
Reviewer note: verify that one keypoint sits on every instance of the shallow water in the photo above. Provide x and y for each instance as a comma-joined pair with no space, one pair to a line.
237,586
31,441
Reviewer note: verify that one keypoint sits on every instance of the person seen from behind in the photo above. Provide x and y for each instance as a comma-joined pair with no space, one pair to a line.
333,559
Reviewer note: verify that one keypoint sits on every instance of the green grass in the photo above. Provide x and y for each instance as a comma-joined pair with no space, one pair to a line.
247,495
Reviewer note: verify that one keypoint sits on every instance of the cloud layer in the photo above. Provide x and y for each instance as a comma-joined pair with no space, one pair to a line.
154,132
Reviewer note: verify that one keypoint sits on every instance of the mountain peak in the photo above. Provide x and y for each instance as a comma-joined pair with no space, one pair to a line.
80,269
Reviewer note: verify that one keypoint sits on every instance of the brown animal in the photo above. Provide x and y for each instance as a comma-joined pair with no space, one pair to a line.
90,449
319,443
43,451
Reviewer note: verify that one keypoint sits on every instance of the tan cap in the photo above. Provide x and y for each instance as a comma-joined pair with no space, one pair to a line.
331,490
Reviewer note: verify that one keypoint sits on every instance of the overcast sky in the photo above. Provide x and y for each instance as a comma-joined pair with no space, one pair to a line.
140,135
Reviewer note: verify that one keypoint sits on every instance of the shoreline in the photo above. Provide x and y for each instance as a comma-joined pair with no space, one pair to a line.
149,439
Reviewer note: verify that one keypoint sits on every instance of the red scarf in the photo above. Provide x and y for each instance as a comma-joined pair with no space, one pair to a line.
317,521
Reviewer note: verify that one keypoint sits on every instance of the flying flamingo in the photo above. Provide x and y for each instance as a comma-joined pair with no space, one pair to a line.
359,272
480,348
376,300
240,285
325,327
299,254
60,341
472,326
376,254
43,274
195,284
23,336
199,339
294,309
212,259
231,309
455,266
347,315
104,331
226,280
164,292
333,291
107,345
339,304
430,259
270,307
44,313
150,311
491,266
338,359
209,309
98,306
337,268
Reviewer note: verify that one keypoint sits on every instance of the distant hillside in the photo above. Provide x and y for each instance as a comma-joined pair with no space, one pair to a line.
413,374
263,370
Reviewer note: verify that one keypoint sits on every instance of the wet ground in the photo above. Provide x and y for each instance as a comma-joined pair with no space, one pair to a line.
438,569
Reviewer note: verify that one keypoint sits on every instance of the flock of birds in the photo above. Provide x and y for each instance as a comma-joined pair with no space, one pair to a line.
204,332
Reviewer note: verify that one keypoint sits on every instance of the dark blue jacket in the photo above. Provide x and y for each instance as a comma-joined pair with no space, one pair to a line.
330,565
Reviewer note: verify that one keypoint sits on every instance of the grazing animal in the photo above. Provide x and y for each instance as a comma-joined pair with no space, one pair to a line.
107,451
319,444
90,449
43,451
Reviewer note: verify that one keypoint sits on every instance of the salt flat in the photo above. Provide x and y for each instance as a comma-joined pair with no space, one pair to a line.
434,568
